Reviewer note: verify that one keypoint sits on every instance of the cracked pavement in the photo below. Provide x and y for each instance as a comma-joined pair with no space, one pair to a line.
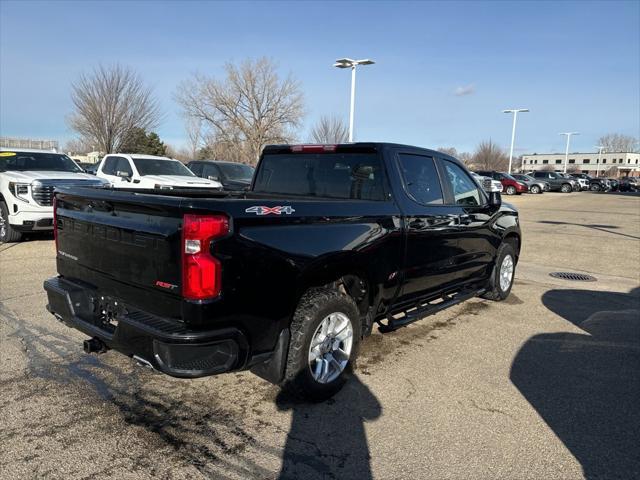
543,385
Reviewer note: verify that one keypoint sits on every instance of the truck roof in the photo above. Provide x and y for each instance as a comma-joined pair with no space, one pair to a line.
140,155
27,150
357,146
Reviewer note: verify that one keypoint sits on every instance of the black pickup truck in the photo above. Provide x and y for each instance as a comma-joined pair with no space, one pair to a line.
287,278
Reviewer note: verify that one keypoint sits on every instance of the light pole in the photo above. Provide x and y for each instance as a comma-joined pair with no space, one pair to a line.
599,159
566,152
513,130
352,64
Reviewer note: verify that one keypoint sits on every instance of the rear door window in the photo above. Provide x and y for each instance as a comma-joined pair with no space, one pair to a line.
421,179
465,190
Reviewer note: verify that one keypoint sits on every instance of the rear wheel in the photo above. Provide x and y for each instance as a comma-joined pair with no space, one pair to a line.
325,335
7,234
566,188
511,190
503,274
535,189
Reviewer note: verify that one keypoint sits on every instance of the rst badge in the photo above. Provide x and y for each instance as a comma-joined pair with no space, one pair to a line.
262,210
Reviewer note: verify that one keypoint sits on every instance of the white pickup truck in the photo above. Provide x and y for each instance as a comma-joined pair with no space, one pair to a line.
149,171
27,181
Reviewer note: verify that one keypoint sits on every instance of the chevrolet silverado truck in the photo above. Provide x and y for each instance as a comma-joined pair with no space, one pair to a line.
287,278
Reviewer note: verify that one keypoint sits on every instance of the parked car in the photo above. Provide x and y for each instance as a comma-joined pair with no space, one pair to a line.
27,180
614,183
535,186
489,184
556,181
583,179
575,183
286,278
628,184
233,176
149,172
599,185
511,185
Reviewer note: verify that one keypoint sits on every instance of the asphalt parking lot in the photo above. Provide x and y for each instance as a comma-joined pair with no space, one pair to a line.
543,385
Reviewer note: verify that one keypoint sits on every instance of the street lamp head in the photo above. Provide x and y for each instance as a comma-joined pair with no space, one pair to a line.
350,63
515,110
570,133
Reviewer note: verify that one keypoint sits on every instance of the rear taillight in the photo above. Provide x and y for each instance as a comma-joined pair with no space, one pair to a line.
313,148
201,271
55,221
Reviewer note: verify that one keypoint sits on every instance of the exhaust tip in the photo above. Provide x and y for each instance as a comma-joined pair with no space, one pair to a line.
94,345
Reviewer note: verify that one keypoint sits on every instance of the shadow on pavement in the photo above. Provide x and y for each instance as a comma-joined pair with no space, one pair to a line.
328,440
594,226
586,386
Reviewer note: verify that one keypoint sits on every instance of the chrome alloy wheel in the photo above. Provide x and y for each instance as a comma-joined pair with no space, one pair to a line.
506,273
330,347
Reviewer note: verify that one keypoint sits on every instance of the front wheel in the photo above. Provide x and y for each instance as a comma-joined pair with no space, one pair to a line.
325,335
595,187
535,189
511,190
503,274
7,233
566,188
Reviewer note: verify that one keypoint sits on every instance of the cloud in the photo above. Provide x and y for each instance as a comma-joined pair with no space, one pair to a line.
465,90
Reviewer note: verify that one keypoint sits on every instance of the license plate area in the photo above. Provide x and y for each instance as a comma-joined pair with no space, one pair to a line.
107,311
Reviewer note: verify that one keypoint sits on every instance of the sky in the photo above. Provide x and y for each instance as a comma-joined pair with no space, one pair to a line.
443,73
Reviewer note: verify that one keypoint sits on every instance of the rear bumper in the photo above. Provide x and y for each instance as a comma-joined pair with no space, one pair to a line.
167,345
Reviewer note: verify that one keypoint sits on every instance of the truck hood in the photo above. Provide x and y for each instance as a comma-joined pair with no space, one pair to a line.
30,176
182,181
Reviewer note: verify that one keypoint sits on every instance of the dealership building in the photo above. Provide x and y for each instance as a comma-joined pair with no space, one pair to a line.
626,164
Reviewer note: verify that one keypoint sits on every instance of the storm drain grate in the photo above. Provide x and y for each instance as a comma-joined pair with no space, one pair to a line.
574,277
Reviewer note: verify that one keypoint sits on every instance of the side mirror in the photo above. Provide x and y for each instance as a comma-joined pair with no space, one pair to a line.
495,199
123,175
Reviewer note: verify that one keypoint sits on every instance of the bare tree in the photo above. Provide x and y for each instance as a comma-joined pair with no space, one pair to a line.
617,142
109,103
252,105
489,156
449,151
330,130
193,126
78,146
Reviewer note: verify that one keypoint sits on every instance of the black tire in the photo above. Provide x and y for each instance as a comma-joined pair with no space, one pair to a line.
7,234
494,290
566,188
314,306
595,187
535,189
511,190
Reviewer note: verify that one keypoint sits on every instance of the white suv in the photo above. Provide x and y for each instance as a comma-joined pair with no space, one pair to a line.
27,181
148,171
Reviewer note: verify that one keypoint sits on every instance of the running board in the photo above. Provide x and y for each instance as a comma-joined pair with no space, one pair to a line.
428,309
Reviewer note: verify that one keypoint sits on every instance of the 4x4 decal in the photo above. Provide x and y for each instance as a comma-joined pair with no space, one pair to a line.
262,210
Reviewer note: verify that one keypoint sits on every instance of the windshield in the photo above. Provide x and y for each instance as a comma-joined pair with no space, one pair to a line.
154,166
40,161
507,176
330,175
236,171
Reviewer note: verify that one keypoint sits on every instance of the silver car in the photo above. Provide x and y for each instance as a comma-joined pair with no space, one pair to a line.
535,185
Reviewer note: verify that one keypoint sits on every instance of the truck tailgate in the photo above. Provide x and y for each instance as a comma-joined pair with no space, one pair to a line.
126,244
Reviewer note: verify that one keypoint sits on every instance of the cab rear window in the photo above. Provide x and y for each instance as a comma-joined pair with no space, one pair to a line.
349,176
